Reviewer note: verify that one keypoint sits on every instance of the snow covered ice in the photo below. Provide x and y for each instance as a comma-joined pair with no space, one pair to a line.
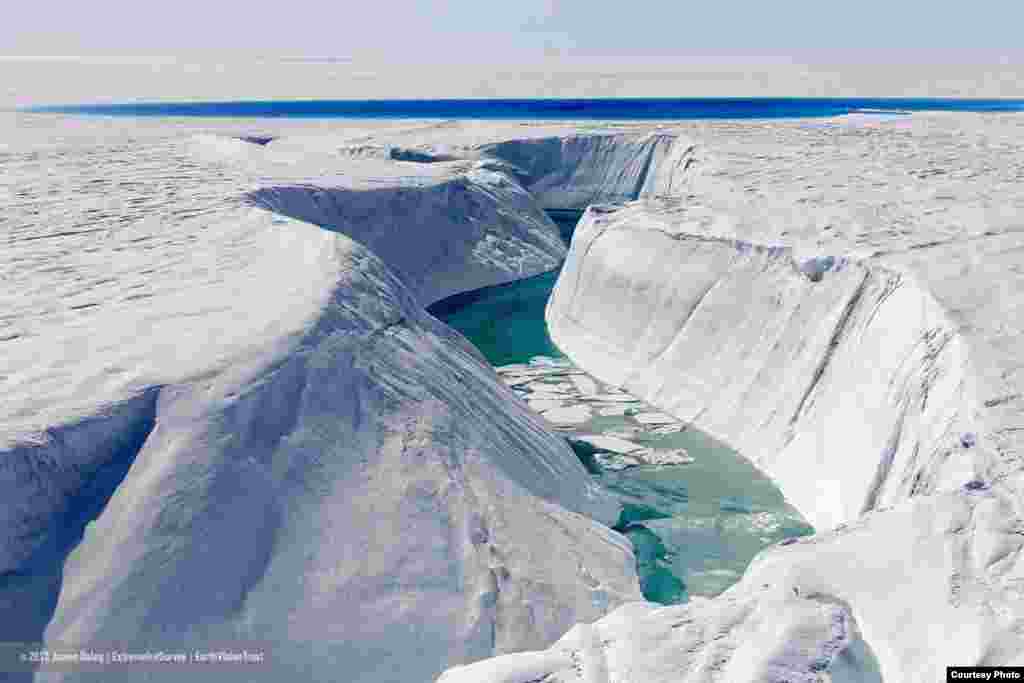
311,458
845,315
225,344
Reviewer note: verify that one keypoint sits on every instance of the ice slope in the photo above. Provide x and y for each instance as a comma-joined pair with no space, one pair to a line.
293,450
465,229
443,227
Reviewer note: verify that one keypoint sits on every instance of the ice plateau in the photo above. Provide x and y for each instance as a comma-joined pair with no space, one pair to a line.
224,343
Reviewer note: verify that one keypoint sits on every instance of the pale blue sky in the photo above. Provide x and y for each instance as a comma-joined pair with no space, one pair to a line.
417,30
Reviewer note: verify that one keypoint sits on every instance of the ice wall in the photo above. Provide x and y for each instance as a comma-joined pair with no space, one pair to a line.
862,380
842,302
570,172
843,380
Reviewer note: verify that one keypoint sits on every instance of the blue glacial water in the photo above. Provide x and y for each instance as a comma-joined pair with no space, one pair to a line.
695,527
544,109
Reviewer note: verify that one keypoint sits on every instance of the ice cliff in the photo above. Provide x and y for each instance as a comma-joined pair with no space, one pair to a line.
779,354
570,172
842,305
256,431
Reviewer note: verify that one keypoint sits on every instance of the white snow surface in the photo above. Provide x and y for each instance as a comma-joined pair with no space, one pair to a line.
313,457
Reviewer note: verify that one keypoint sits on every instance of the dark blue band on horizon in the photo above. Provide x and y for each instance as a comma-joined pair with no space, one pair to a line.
558,109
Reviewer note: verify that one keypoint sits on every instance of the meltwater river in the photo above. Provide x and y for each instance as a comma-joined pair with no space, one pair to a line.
695,526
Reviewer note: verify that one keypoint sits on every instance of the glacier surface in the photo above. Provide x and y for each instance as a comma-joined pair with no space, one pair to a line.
224,344
841,303
221,347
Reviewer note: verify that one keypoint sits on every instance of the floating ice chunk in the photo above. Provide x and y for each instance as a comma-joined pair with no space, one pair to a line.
612,410
527,375
615,462
539,375
541,393
677,456
572,415
655,418
542,387
613,398
548,362
606,442
626,432
668,429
